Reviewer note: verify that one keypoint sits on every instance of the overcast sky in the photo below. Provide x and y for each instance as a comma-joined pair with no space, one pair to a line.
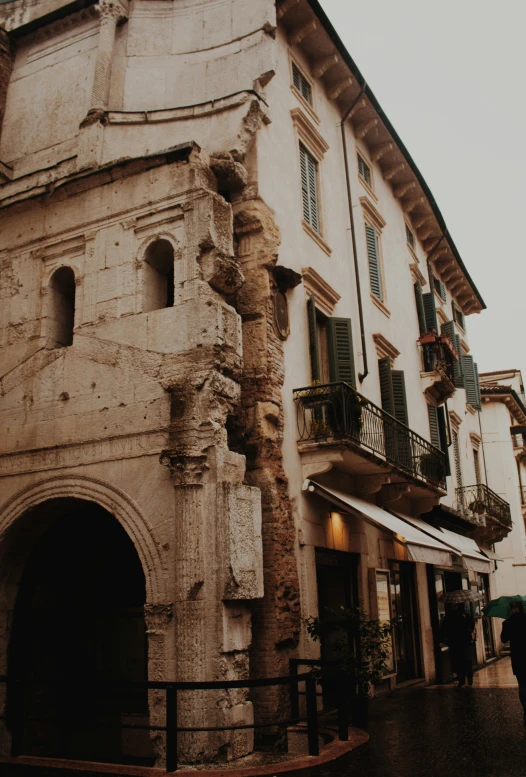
451,76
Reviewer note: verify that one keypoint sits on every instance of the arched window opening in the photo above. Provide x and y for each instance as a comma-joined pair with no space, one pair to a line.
158,286
62,307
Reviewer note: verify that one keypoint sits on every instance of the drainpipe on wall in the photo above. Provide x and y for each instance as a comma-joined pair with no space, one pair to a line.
362,375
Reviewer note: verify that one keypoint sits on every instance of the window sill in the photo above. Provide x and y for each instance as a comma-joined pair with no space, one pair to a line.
367,187
317,238
380,305
470,409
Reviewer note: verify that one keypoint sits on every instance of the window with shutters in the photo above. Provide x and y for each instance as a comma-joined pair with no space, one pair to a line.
439,287
330,347
476,463
420,310
301,83
410,237
309,188
438,431
373,256
364,171
448,329
458,318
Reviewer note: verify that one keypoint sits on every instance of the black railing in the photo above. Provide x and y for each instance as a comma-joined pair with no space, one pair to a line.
172,689
481,500
523,495
337,412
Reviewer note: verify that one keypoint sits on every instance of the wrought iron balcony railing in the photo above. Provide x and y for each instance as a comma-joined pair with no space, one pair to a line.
481,500
337,412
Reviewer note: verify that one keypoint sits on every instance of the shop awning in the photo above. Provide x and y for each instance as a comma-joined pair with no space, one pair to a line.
420,546
472,557
491,554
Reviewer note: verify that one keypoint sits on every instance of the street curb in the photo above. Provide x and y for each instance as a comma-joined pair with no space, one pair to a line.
330,752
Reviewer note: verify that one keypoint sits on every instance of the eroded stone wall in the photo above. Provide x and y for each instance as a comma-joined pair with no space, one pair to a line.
276,618
139,399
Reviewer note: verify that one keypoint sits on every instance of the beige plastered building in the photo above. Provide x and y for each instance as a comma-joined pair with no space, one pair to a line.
212,236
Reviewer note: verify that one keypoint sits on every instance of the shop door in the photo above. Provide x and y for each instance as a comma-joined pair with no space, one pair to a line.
487,631
440,582
337,580
406,635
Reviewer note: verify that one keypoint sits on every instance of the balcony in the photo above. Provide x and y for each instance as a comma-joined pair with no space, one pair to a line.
364,438
482,506
438,359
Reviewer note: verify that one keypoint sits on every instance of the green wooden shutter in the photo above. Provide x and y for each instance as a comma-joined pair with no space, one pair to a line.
386,385
341,357
399,398
421,313
442,432
432,413
313,340
373,255
309,188
448,329
478,406
470,383
430,311
440,287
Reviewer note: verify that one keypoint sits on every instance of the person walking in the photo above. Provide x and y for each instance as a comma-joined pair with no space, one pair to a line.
514,632
457,631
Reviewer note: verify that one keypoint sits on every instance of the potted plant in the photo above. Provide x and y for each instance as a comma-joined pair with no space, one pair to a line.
363,651
429,338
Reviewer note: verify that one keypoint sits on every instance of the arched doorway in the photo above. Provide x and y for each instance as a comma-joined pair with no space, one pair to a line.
78,634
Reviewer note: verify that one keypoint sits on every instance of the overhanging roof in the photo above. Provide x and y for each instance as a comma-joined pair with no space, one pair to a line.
367,91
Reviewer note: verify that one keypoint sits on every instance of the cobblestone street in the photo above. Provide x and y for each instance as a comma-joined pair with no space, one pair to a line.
443,732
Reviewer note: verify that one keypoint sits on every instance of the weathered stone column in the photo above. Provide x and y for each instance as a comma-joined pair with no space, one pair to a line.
6,66
276,618
92,126
111,13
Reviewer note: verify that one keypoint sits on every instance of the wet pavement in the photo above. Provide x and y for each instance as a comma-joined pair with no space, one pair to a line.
441,731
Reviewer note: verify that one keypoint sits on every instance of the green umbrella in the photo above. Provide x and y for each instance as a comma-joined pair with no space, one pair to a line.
500,608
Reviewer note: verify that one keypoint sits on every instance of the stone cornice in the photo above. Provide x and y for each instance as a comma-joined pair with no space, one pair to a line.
308,134
325,296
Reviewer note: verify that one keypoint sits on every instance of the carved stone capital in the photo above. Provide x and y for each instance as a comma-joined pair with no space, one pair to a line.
157,617
111,9
186,470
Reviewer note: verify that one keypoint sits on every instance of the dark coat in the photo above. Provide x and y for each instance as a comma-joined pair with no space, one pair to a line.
457,629
514,632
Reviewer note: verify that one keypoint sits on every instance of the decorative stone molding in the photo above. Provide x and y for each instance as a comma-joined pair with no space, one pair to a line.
185,469
416,273
158,617
384,348
455,420
372,214
325,296
476,440
308,134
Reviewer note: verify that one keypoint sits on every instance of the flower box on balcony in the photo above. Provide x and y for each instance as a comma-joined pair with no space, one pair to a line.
428,339
449,347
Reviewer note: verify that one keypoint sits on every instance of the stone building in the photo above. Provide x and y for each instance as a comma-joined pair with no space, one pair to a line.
212,240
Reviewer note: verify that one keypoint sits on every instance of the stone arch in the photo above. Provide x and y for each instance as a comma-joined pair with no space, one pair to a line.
115,501
157,271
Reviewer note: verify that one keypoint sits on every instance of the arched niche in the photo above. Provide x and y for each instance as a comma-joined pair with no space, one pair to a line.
158,276
61,308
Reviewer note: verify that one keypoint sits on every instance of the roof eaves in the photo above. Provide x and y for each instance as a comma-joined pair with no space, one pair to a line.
324,19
